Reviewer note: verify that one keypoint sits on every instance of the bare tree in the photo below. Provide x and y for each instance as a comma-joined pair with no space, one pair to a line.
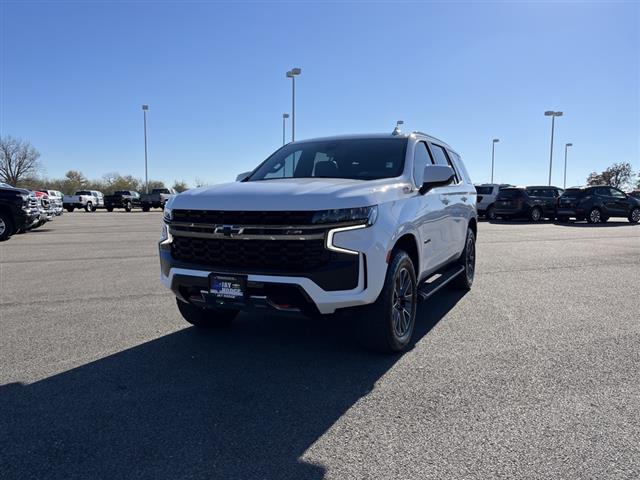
618,175
18,160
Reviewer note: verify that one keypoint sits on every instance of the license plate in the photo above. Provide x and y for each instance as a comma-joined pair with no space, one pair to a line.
228,287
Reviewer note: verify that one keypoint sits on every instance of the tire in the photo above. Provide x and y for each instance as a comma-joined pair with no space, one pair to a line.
387,325
6,226
490,214
206,318
88,207
145,208
595,216
535,215
634,215
94,208
563,219
109,209
464,281
127,206
70,209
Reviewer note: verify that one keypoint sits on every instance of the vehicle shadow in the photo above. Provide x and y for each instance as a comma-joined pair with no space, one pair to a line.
238,404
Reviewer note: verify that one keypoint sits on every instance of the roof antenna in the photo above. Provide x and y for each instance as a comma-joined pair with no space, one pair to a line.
396,131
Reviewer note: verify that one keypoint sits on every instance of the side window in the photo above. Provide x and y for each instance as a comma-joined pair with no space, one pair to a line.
441,158
617,193
461,168
421,159
602,191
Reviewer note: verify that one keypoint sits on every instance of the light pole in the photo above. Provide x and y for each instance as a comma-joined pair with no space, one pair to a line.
284,119
566,146
146,172
553,115
493,152
292,74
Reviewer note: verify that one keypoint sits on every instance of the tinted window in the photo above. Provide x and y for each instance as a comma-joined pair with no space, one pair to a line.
460,164
484,190
572,192
601,191
83,192
509,193
421,159
441,158
617,193
358,159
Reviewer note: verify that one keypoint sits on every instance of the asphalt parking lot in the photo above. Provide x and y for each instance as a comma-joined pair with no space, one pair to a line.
533,374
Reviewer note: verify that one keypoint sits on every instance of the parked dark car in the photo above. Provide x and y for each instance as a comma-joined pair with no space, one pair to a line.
18,211
634,194
597,204
534,203
127,199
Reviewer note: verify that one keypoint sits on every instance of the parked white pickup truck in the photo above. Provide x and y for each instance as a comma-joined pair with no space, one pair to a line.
372,222
90,200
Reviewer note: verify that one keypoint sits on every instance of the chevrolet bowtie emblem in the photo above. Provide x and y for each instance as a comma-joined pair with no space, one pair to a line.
228,230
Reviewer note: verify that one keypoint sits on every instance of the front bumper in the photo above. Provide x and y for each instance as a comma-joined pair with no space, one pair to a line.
322,292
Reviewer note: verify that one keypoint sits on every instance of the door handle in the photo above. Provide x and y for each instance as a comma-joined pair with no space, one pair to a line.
445,200
464,199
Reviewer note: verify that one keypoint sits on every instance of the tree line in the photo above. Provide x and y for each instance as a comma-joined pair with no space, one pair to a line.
20,166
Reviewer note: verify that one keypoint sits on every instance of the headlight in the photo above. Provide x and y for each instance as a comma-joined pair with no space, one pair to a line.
167,214
360,215
165,235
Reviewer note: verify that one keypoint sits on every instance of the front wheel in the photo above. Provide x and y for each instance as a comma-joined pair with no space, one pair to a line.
205,318
109,209
128,206
490,214
387,325
70,209
6,227
634,216
467,260
88,207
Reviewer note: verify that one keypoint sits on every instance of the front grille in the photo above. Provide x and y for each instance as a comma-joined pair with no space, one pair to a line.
277,255
244,217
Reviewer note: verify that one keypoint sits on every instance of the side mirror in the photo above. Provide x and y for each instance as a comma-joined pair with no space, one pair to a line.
243,176
436,176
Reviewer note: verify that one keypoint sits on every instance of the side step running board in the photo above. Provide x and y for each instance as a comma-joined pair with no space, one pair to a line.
426,289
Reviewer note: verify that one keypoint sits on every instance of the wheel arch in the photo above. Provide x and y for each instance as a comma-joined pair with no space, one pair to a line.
473,225
409,243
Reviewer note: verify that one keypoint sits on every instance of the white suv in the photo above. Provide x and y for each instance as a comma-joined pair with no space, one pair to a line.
487,193
369,221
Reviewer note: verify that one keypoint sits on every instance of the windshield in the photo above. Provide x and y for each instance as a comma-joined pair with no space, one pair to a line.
358,159
484,190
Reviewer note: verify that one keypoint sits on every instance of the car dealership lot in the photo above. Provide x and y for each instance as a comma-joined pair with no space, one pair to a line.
533,374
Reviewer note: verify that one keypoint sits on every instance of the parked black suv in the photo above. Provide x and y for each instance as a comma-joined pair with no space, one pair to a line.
18,211
126,199
597,204
534,203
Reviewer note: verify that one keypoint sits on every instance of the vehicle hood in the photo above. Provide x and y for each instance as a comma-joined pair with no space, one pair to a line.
290,194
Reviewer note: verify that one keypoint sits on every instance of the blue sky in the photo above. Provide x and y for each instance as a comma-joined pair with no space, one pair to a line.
74,74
